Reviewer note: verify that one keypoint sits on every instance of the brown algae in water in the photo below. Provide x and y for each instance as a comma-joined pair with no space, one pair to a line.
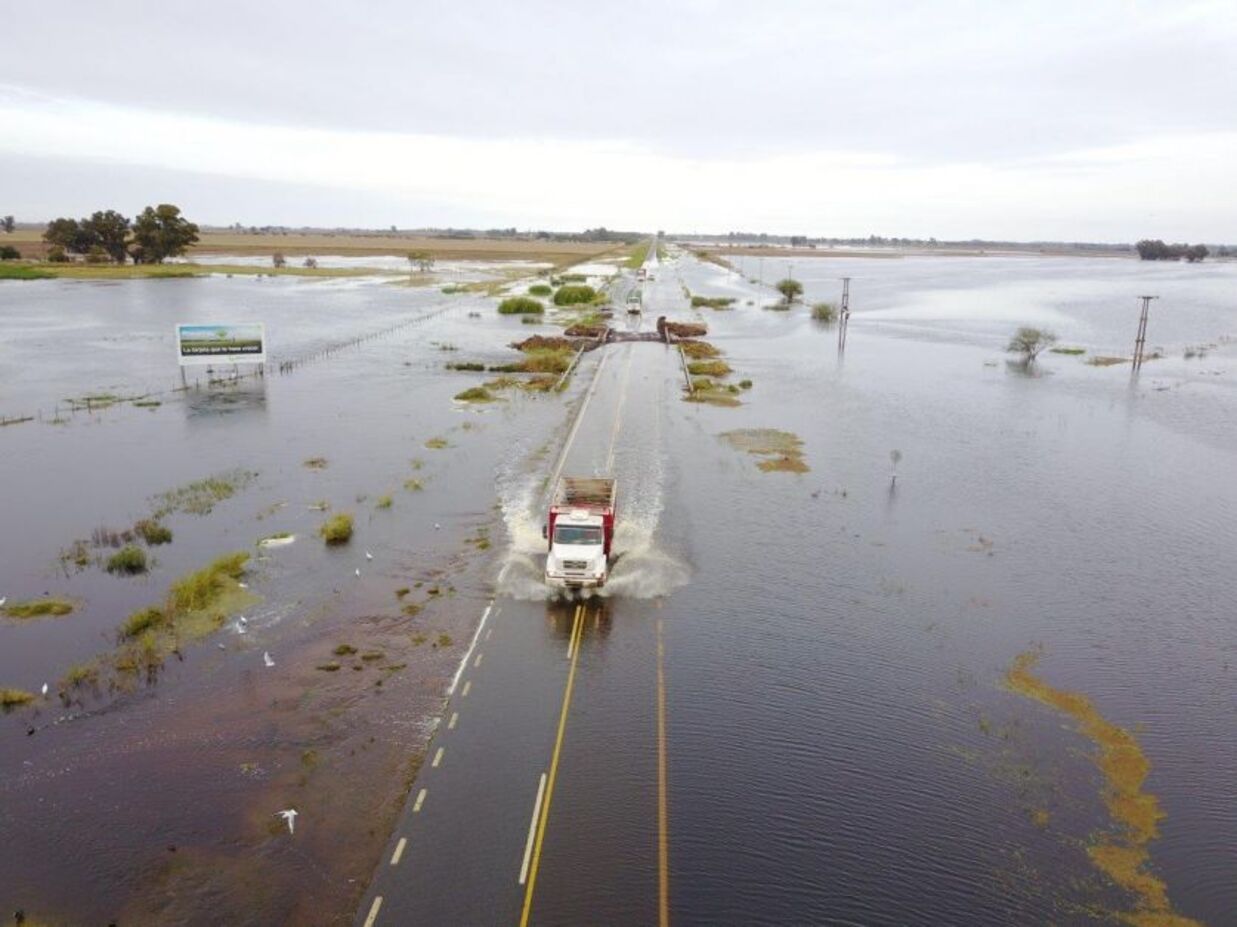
782,451
1122,855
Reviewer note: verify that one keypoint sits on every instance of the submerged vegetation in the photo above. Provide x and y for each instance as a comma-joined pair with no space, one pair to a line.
15,698
475,394
1121,855
1030,343
782,451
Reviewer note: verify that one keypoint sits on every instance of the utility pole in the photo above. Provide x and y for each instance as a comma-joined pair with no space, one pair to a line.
1140,342
844,314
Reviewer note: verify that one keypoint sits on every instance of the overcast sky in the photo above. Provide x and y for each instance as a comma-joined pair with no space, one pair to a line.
1095,120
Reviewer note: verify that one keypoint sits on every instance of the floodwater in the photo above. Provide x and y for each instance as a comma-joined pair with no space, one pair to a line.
839,745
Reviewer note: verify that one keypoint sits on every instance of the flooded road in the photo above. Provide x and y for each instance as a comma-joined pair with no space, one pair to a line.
838,743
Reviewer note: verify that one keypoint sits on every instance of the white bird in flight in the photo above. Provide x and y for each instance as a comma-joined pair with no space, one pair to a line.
289,815
266,658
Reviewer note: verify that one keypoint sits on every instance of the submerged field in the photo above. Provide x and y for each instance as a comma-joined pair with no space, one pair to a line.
852,732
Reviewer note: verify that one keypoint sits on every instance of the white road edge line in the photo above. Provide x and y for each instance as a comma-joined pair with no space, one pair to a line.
373,912
467,656
416,806
399,851
532,829
438,757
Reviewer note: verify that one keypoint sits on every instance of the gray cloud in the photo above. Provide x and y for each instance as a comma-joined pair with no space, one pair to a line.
925,82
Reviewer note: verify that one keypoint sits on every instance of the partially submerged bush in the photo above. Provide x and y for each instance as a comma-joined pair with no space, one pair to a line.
521,305
698,349
129,560
574,295
1029,342
337,529
472,366
824,312
790,289
540,289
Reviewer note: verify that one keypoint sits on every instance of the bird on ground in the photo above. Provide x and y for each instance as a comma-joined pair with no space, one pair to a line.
243,585
266,658
289,815
358,571
243,620
368,555
3,599
437,526
44,688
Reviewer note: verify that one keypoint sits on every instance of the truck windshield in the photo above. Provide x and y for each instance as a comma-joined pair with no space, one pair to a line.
576,534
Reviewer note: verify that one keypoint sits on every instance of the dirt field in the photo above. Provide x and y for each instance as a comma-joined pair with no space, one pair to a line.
30,243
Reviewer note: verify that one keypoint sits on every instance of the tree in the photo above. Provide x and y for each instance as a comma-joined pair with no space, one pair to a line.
1196,253
56,254
9,253
421,260
8,224
68,235
311,262
790,289
161,232
108,230
1029,342
278,259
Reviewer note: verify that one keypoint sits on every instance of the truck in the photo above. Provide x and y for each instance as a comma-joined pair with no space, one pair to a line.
580,532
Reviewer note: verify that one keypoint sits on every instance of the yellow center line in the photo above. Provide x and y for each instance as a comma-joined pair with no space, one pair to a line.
663,844
576,629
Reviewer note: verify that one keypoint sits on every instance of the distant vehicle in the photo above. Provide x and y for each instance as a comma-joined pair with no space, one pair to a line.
580,530
642,273
635,303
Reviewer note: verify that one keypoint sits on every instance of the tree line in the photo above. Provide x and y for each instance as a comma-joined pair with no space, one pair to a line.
1152,249
157,233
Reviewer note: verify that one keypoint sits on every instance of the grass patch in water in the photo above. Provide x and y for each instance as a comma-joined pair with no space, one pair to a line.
152,532
337,529
200,497
384,502
520,305
470,366
48,607
315,463
344,650
475,394
781,451
437,444
328,667
540,289
712,302
413,485
1067,350
709,368
1101,360
698,350
15,698
141,621
129,560
1122,855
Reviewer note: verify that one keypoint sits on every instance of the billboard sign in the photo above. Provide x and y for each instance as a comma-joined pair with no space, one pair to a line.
243,343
